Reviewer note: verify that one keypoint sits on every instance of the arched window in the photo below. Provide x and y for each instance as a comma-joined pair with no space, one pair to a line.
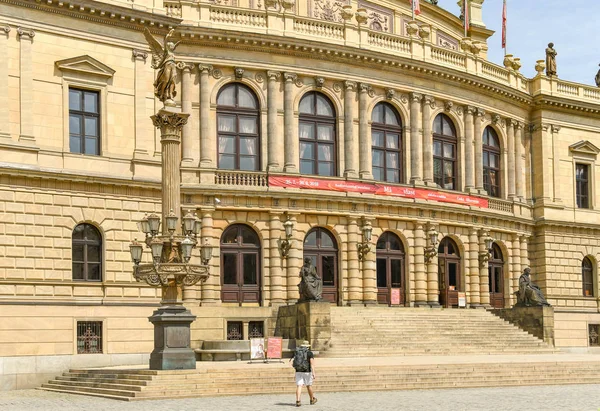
238,128
317,135
240,265
491,162
390,267
449,272
587,274
320,246
386,137
496,277
444,152
87,253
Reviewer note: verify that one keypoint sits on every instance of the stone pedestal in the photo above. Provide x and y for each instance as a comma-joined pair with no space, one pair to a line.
309,321
172,349
538,321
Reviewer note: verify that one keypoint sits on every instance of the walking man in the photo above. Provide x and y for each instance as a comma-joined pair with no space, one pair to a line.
303,363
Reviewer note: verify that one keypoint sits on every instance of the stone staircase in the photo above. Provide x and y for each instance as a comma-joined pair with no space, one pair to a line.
382,331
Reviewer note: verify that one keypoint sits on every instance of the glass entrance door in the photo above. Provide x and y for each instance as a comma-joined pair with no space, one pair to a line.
496,278
449,273
390,268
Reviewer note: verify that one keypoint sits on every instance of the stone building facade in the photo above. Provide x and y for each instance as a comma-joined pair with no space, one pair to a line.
338,119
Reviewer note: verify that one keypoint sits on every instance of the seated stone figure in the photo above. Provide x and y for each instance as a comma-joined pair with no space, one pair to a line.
529,294
311,285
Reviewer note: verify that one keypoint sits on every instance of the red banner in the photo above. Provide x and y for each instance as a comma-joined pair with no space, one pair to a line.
378,189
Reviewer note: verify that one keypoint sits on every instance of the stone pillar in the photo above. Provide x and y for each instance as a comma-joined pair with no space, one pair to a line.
292,145
433,287
26,84
556,164
211,291
277,270
510,131
428,105
142,132
419,257
520,162
514,267
484,280
541,148
479,115
349,151
524,240
469,154
354,275
416,142
473,266
208,142
4,114
186,106
366,157
294,263
274,139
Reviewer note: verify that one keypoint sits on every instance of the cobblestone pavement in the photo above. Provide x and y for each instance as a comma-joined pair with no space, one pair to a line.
542,398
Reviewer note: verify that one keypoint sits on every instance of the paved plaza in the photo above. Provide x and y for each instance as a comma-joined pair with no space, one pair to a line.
542,398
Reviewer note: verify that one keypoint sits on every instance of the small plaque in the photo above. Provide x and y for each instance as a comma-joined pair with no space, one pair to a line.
274,347
257,349
462,299
395,296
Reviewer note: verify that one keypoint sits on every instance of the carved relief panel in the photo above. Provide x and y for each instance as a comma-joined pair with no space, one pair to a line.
330,10
379,18
225,2
447,42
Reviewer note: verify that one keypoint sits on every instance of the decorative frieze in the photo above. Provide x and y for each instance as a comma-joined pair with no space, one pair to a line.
329,10
378,18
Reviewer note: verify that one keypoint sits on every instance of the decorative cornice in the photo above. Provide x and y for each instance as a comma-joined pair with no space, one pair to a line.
23,32
139,54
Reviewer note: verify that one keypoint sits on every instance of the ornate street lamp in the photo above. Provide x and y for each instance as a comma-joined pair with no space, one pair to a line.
484,256
365,246
432,237
286,243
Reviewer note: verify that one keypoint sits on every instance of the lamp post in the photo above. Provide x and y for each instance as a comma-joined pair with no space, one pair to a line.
484,256
286,243
431,250
365,246
171,250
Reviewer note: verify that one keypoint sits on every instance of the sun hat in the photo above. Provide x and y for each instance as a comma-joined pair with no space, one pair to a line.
305,344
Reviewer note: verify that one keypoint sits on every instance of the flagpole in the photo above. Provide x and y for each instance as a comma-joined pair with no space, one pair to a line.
465,15
412,6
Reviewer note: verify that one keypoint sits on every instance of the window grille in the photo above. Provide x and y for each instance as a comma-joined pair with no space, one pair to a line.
235,330
89,337
256,329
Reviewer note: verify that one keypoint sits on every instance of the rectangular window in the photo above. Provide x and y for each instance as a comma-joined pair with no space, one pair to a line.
235,330
89,337
84,122
256,329
582,185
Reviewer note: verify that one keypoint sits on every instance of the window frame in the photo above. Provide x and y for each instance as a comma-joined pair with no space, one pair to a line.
83,115
86,243
579,184
315,120
391,129
590,271
448,139
238,112
491,150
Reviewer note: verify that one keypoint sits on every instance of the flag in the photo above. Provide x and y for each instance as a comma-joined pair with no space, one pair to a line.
466,15
504,25
416,7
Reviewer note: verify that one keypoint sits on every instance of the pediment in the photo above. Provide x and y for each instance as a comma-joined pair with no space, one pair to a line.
584,147
85,65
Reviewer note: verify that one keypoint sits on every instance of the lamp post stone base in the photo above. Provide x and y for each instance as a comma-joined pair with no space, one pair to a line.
172,349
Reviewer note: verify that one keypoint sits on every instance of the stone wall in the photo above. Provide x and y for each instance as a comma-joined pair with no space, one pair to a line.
538,321
309,321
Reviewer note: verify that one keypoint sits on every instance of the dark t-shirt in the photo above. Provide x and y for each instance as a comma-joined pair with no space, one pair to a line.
309,356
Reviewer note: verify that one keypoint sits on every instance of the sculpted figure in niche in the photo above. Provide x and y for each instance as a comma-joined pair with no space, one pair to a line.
529,294
551,60
163,60
311,285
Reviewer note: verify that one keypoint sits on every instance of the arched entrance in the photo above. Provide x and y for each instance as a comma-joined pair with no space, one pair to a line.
390,267
240,265
320,246
496,277
449,272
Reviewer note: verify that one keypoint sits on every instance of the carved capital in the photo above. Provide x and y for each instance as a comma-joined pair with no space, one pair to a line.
543,126
363,87
169,121
25,33
5,28
185,66
429,101
470,110
273,75
208,69
510,122
290,77
415,97
480,113
238,73
390,93
139,54
519,125
555,129
350,85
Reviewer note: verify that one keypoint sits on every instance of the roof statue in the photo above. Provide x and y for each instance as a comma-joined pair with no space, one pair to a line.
598,78
163,60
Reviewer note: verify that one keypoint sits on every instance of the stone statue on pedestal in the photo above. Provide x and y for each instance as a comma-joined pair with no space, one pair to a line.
529,294
311,285
551,60
163,59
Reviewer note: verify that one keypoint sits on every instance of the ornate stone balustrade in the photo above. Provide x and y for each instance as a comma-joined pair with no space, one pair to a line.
500,205
240,179
238,16
448,56
319,28
496,72
389,42
567,88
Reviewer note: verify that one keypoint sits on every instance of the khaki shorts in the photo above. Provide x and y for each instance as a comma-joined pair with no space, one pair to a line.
304,378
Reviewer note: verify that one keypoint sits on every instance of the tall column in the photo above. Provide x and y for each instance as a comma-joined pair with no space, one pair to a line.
26,84
211,288
524,240
354,274
419,258
278,281
416,142
479,114
428,104
208,142
369,276
366,159
294,262
520,162
484,278
473,265
292,145
186,106
274,139
514,269
349,151
510,131
556,164
542,184
469,153
4,114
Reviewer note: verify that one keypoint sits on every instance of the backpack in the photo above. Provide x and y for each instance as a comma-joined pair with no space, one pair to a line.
301,363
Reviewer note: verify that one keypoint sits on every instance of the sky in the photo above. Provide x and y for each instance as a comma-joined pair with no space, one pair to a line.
572,25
